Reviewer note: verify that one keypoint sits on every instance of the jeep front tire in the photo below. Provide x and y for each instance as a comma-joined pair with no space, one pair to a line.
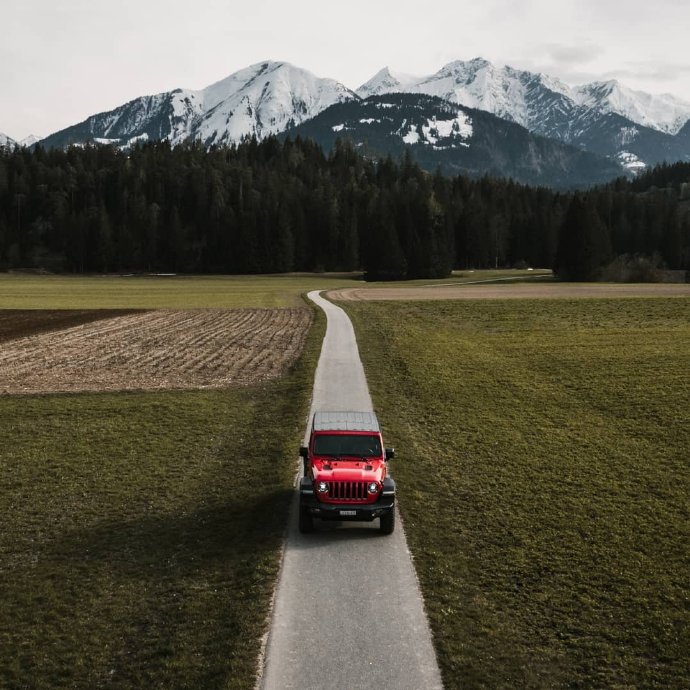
388,522
306,522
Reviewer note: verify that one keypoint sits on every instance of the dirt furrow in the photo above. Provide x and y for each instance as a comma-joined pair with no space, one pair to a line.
157,349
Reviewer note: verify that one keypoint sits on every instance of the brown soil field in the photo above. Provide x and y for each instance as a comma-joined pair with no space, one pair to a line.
152,350
512,291
15,323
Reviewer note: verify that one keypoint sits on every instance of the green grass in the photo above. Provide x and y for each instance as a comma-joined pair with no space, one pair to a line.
171,292
18,291
141,532
543,479
470,276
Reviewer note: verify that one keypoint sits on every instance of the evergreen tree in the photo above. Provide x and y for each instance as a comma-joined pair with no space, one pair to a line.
385,259
284,205
104,248
583,243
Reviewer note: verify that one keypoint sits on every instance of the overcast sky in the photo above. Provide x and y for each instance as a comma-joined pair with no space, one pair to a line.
63,60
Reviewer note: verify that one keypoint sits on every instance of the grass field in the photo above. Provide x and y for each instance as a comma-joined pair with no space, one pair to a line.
542,466
19,291
141,532
160,292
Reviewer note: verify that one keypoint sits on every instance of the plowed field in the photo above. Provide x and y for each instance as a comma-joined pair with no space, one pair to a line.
15,323
163,349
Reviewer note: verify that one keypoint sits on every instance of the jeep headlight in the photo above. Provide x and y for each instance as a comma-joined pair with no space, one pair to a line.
373,488
322,487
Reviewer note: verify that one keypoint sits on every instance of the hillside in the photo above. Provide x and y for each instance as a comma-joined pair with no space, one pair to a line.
456,140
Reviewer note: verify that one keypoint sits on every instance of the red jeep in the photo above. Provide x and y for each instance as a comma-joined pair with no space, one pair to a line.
345,472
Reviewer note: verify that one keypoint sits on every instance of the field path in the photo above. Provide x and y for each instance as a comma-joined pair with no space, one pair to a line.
348,611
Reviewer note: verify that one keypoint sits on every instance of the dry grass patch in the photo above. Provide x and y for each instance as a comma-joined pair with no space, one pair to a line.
510,290
156,350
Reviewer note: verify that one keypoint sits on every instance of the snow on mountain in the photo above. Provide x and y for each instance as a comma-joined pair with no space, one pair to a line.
478,84
540,102
385,81
7,141
264,99
665,113
169,116
30,140
455,131
630,162
511,94
457,140
271,97
27,141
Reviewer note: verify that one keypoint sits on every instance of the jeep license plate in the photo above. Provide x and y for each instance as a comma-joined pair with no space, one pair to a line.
348,512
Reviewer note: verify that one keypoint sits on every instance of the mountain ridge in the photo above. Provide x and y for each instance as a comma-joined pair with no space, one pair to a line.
646,129
6,140
262,99
438,134
481,81
272,97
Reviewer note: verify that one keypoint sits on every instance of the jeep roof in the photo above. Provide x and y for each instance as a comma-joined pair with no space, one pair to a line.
345,421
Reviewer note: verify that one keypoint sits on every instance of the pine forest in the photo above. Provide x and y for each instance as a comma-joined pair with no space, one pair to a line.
279,206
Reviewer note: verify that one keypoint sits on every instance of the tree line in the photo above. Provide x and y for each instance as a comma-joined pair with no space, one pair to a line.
273,207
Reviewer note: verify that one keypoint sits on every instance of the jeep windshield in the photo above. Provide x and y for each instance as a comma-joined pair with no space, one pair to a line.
339,445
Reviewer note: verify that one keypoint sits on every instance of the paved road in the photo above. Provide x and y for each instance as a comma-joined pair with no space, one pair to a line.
348,611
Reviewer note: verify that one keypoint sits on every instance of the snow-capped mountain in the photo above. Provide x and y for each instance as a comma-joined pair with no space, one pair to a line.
385,81
27,141
632,128
457,140
531,100
603,117
270,97
664,112
7,141
256,101
526,97
30,140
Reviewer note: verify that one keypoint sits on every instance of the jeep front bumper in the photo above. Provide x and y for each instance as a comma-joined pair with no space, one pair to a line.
361,512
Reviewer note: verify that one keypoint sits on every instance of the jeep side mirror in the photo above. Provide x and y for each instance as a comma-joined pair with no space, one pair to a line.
303,452
390,453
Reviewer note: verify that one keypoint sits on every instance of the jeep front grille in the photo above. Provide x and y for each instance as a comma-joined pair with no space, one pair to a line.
347,491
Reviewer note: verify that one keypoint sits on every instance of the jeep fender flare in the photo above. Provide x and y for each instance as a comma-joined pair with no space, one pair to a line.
388,487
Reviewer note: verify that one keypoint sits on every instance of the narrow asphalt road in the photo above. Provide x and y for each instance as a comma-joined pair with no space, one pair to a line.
348,611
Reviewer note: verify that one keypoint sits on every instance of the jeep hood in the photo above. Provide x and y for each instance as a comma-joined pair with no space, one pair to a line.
349,470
